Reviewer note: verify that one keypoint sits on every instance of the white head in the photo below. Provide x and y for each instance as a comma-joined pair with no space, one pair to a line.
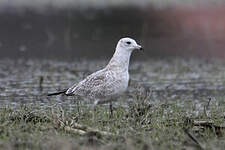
121,57
128,44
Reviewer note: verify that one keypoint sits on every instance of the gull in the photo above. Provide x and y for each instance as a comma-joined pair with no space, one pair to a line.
109,82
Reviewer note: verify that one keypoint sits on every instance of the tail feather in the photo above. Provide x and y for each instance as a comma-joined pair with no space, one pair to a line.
57,93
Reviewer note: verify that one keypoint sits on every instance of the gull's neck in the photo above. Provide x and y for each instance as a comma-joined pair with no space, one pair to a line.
120,60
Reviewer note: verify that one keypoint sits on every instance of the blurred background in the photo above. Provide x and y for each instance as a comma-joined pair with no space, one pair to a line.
68,29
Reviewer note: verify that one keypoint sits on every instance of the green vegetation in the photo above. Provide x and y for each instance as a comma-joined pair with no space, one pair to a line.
141,125
170,104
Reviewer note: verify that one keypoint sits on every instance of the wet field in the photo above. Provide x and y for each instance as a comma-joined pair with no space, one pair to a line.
168,80
172,103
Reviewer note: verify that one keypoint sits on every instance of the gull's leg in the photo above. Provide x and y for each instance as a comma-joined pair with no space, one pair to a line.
96,102
110,100
110,106
78,106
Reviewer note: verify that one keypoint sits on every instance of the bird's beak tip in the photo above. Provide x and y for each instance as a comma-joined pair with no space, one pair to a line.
140,47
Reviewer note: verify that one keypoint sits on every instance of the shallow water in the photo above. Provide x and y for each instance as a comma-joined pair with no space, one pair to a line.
190,80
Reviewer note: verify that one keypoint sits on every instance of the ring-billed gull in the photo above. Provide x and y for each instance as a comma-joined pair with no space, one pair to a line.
110,81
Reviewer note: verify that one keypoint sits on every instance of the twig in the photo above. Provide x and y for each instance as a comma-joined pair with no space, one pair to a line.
69,125
193,138
210,125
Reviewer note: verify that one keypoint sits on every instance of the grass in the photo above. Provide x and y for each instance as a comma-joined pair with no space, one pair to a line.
142,125
184,108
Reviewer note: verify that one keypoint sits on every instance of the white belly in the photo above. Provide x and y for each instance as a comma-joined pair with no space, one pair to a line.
122,83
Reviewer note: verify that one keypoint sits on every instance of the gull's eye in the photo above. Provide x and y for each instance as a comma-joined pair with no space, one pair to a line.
128,43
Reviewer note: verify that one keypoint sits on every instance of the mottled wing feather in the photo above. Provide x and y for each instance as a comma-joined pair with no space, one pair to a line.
94,85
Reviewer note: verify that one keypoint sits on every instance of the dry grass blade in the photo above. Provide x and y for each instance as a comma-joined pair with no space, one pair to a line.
207,107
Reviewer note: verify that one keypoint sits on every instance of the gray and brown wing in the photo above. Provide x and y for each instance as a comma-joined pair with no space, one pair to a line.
93,85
